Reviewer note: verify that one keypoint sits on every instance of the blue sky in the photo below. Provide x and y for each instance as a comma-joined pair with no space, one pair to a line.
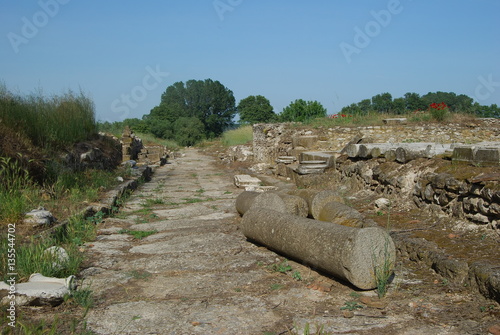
124,54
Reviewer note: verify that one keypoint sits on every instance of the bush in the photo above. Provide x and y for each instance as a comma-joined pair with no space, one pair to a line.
188,131
439,112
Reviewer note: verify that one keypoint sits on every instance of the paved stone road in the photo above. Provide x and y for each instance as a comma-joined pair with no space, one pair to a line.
197,274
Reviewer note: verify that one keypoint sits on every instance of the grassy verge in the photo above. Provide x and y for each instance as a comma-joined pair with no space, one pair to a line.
242,135
150,139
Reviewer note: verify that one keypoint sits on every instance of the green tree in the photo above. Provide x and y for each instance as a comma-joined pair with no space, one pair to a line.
351,109
300,111
365,106
414,102
188,131
209,101
399,105
255,109
382,103
160,128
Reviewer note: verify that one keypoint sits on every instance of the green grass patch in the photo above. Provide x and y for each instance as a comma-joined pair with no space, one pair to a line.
275,287
153,202
241,135
139,274
192,200
282,267
138,234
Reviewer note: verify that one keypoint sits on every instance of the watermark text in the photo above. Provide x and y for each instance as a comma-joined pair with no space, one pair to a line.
12,275
128,101
31,26
363,37
223,6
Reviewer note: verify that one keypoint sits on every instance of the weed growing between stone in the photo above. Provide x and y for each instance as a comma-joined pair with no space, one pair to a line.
83,296
308,330
383,272
138,234
351,306
282,267
153,202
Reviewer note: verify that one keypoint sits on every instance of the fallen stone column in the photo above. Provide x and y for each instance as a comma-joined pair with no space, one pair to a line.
248,199
295,205
352,150
344,215
351,254
406,154
317,199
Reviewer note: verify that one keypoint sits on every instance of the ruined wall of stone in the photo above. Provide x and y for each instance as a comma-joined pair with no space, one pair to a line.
273,140
476,199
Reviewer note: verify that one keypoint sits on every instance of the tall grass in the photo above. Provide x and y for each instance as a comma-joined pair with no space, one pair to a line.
49,121
241,135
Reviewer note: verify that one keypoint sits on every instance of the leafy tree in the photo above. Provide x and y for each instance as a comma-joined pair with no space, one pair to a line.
414,102
208,101
300,111
463,103
351,109
399,105
365,105
188,131
137,125
382,103
255,109
160,128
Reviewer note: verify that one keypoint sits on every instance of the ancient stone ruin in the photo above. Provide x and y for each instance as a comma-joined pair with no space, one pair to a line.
444,170
379,158
134,149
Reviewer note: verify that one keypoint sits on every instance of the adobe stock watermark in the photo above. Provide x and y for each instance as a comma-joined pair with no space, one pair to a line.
128,101
223,6
363,37
11,274
485,88
30,27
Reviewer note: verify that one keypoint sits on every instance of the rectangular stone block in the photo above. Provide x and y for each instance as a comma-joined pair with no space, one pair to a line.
307,142
463,154
244,180
327,157
487,156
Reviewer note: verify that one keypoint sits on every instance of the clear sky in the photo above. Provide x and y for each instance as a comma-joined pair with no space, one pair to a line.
124,54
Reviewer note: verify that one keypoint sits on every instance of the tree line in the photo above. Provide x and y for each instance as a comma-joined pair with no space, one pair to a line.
203,109
413,102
